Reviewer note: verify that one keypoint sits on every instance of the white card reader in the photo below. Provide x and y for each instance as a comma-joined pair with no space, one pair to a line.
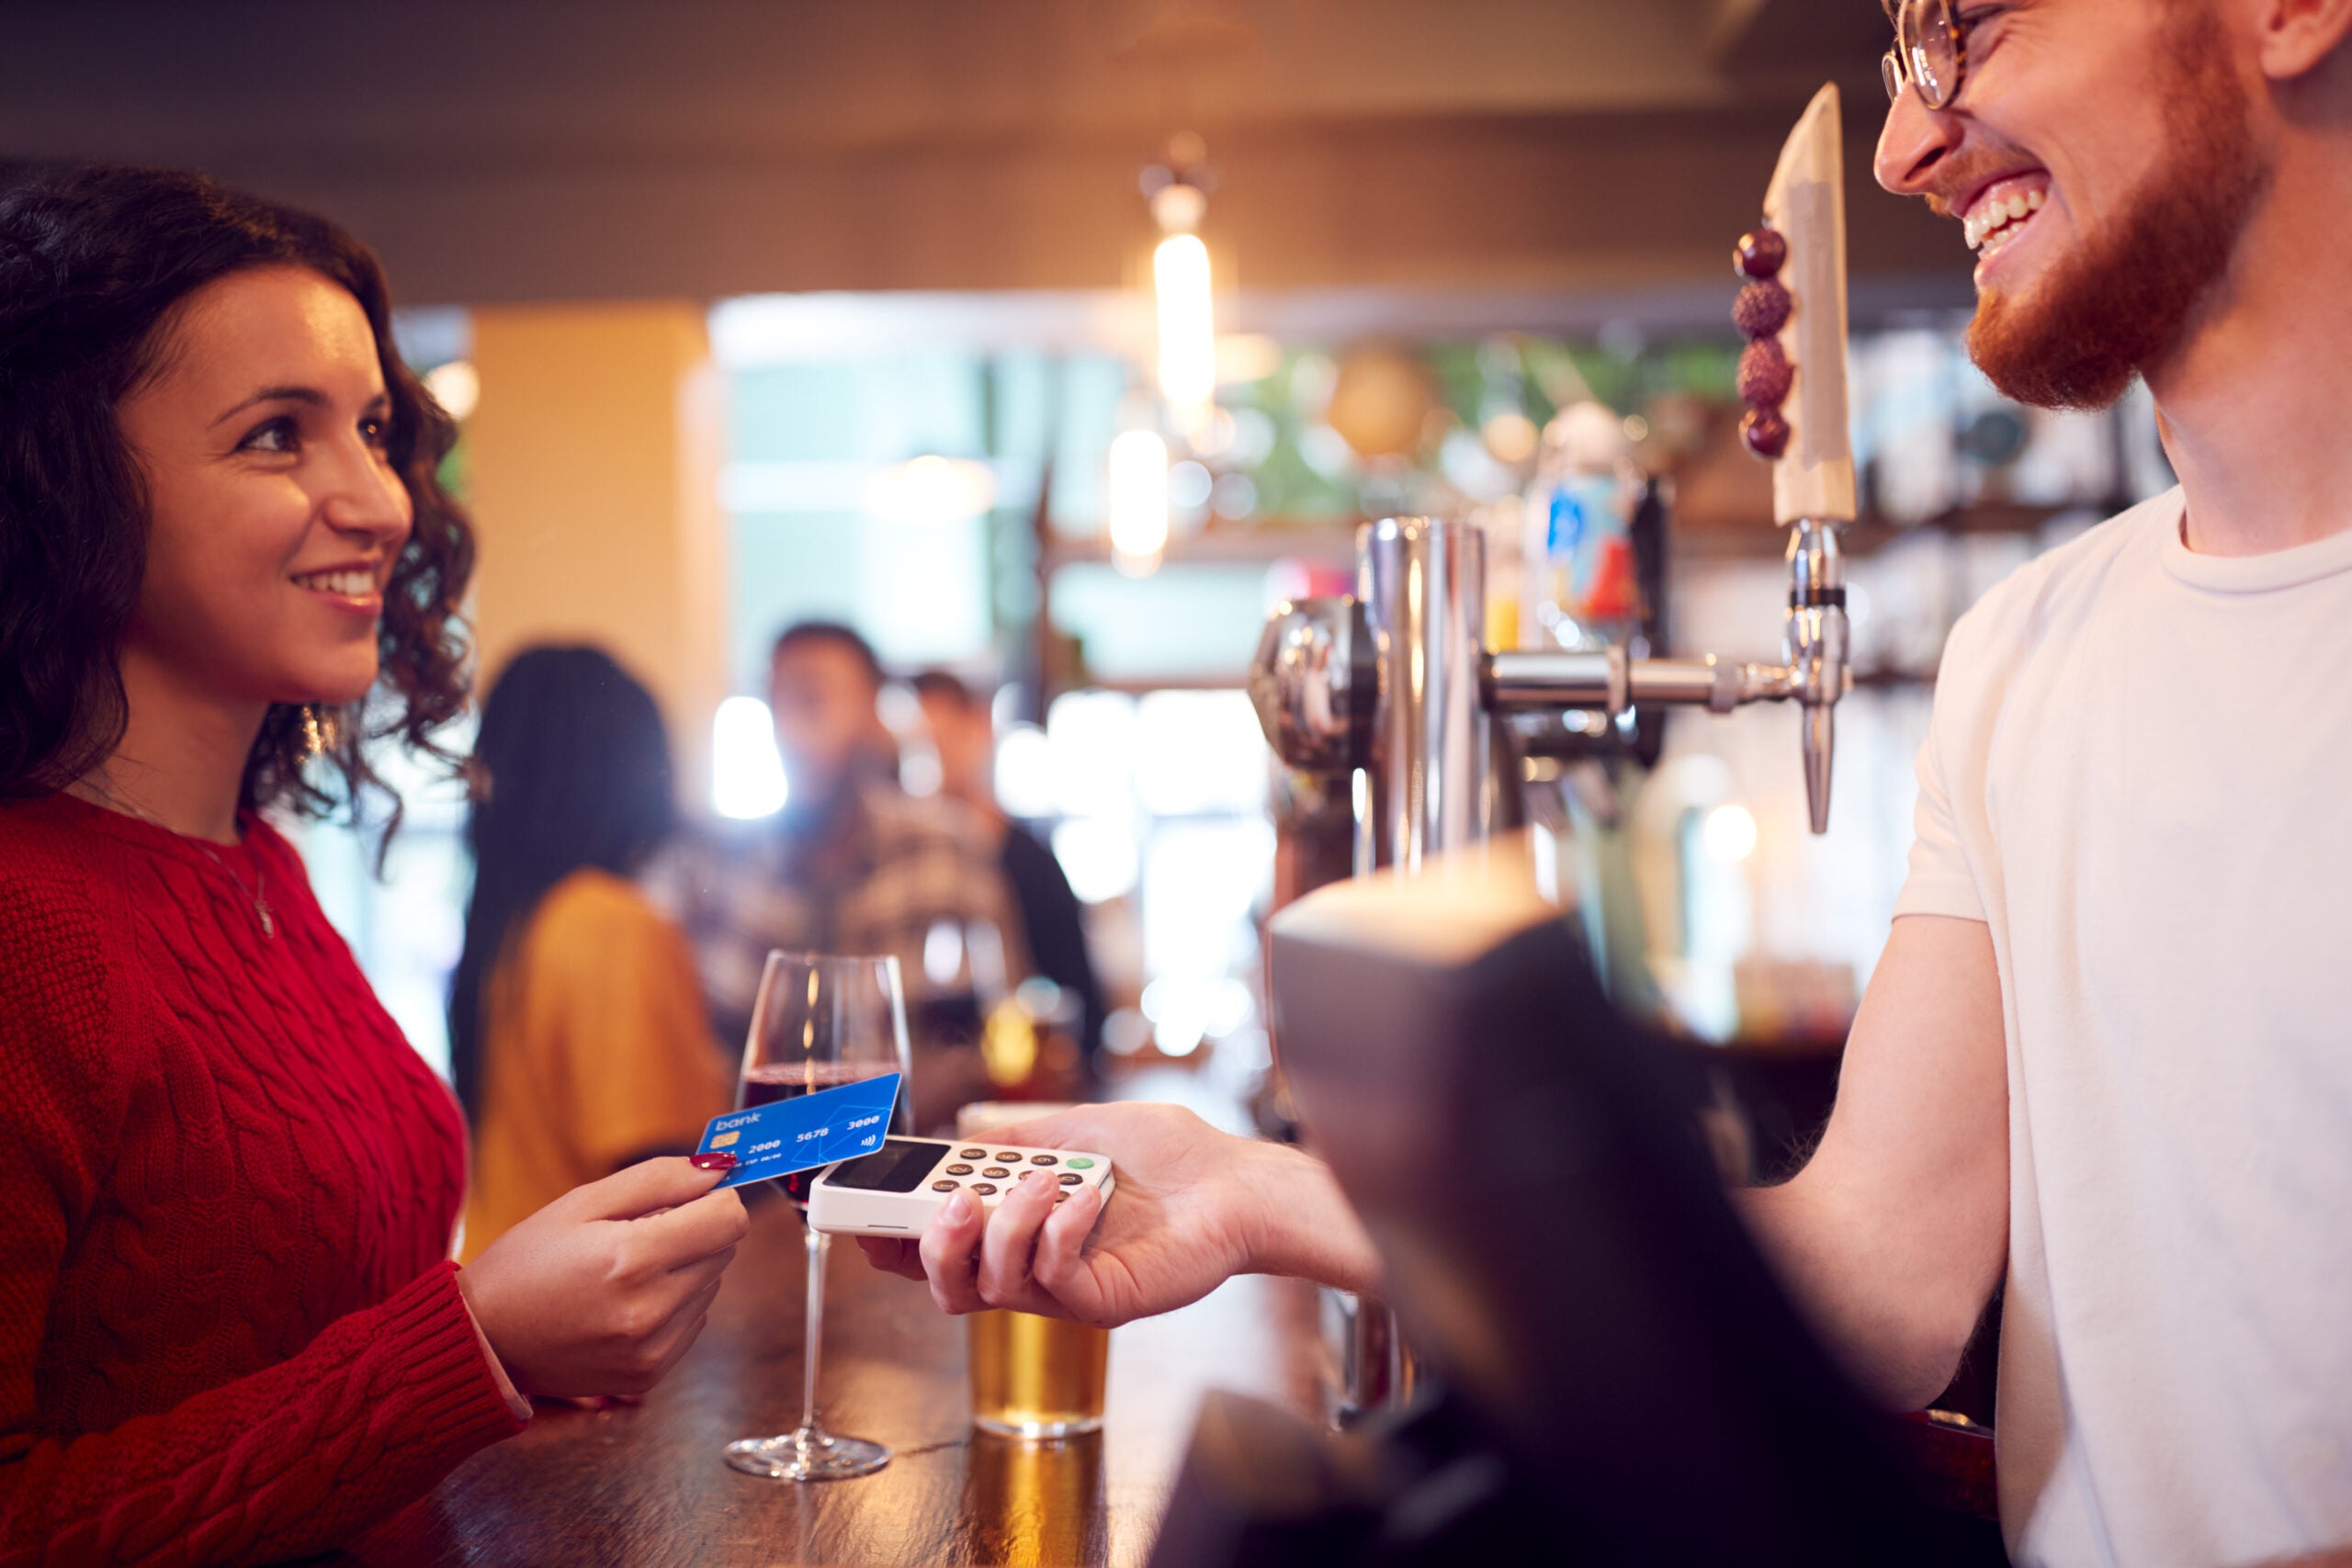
897,1190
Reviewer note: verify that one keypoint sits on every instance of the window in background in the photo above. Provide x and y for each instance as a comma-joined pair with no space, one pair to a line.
820,528
1183,622
405,927
1156,807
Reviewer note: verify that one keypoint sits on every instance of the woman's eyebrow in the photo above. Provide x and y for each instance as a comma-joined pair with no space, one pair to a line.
310,395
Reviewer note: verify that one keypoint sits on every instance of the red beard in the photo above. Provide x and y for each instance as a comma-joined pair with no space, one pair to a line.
2125,296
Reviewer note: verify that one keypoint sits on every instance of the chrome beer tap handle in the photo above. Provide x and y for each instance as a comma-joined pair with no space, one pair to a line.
1314,685
1611,681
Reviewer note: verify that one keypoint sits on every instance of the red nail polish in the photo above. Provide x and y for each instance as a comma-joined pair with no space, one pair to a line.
717,1159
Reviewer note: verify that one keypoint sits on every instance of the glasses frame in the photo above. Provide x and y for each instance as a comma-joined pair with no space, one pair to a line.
1916,23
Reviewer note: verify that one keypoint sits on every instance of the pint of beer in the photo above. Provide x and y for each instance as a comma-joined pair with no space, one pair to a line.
1031,1377
1037,1377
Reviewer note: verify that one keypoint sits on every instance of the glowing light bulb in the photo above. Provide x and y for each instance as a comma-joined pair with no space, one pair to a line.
1728,834
1138,493
1179,273
456,387
747,775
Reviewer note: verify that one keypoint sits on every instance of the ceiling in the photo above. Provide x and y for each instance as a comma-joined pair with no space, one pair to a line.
529,149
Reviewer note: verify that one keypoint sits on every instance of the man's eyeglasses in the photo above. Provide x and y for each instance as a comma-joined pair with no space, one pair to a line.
1929,52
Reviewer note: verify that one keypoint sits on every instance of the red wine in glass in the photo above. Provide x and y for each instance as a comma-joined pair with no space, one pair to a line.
789,1080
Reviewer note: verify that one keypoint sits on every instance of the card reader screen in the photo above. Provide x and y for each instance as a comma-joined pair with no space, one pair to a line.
899,1167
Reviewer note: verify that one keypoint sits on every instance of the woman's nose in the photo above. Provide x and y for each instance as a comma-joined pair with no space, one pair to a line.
369,498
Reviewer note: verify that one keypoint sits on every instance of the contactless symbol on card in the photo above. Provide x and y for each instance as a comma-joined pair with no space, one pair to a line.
790,1136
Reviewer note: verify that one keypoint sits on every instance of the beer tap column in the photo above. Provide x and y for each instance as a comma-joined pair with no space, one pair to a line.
1815,650
1422,583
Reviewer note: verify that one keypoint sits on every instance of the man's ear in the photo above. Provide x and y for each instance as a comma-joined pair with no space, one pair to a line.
2294,36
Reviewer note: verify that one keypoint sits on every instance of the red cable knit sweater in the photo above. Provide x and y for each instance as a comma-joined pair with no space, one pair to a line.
228,1332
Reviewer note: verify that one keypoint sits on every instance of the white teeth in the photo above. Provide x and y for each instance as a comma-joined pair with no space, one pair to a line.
1988,225
352,584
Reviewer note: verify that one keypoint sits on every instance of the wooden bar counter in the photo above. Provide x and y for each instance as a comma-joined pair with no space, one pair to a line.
647,1484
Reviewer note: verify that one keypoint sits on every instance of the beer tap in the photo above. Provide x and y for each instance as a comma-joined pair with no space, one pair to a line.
1794,310
1396,680
1393,689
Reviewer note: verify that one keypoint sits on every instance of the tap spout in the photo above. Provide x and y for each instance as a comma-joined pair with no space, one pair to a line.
1816,647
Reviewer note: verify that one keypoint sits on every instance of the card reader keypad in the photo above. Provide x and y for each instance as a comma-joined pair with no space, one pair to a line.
1007,1168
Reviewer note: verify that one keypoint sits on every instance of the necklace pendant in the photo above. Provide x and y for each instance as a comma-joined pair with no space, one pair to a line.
268,926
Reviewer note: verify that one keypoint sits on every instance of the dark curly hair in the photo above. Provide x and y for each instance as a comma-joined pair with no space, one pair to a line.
96,261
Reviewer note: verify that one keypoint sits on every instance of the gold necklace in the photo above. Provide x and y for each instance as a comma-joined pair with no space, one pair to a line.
259,894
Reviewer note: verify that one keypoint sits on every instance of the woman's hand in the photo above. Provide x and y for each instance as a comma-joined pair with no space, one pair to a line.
603,1289
1193,1208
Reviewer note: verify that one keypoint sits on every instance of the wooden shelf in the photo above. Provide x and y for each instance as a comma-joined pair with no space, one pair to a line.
1256,544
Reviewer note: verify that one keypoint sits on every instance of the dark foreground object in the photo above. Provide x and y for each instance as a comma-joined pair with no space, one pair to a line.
1623,1380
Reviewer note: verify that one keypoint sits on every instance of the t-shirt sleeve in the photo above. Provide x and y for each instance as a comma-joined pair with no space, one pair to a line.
1940,882
639,1063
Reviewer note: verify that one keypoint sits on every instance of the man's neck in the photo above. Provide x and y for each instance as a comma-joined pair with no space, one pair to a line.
2252,404
181,761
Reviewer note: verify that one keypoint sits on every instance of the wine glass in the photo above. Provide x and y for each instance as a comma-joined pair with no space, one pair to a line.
820,1021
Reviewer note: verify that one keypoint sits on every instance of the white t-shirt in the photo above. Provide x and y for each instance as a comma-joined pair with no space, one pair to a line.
2139,776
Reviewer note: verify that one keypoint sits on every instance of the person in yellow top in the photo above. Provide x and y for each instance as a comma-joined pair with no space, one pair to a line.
577,1040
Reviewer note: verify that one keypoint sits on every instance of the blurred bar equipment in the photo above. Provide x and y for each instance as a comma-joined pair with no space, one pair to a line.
1393,689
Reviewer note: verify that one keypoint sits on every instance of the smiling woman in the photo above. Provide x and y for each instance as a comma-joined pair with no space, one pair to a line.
234,347
229,1328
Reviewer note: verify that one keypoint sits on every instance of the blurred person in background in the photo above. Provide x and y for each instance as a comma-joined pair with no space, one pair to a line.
851,864
577,1039
963,731
230,1330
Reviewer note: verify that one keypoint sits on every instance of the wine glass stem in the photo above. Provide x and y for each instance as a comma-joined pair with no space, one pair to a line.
814,1344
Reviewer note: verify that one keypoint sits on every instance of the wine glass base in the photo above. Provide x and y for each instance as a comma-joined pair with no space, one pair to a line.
805,1455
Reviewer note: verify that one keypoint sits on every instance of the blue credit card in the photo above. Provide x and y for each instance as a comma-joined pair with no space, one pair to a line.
788,1135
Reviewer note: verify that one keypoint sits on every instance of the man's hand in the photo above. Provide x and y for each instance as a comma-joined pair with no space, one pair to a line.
1193,1208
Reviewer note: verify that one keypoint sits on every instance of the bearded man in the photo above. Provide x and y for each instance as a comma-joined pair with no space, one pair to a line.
2105,1059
